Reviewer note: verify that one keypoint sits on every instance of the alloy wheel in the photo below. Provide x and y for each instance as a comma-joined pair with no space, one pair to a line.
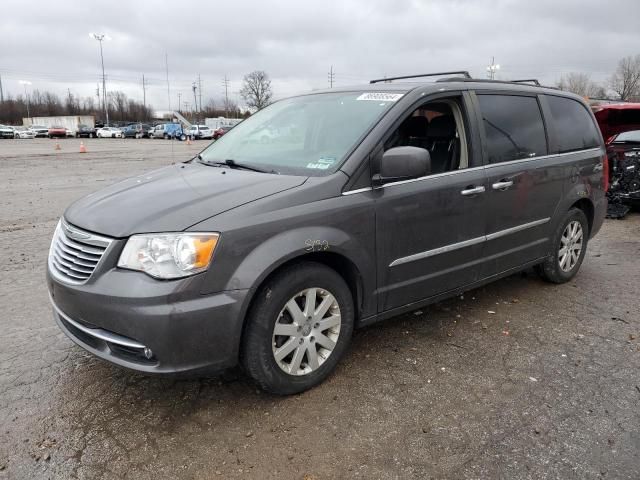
306,331
570,246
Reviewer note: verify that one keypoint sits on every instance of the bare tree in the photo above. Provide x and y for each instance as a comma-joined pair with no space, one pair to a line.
256,89
580,84
626,79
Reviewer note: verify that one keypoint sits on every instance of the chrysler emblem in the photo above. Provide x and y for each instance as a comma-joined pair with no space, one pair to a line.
76,234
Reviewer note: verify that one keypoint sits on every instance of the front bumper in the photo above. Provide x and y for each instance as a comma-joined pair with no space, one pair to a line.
119,314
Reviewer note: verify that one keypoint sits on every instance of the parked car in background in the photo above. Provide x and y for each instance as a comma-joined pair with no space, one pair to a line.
85,131
268,255
109,132
70,133
7,132
24,132
169,131
137,130
40,130
200,132
221,131
57,132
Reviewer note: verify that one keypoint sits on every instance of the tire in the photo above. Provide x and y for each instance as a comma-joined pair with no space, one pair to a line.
138,136
166,137
183,137
260,344
561,266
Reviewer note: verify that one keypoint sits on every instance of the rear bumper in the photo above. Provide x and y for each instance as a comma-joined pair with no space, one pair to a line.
120,314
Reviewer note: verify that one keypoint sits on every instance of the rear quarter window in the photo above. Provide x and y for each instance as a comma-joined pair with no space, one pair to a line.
573,126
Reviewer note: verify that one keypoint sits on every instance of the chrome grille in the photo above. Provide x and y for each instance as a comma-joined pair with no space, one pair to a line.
74,253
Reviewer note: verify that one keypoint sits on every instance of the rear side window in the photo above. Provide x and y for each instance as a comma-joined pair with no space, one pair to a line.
513,127
572,124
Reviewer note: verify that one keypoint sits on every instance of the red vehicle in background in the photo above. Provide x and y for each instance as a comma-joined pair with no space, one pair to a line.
620,127
615,118
220,132
57,132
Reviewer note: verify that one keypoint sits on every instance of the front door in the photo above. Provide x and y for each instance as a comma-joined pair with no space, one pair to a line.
430,231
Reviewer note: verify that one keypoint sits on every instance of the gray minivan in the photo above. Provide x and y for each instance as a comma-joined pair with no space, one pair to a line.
366,202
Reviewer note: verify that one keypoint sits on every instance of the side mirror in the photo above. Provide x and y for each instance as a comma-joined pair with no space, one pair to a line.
403,163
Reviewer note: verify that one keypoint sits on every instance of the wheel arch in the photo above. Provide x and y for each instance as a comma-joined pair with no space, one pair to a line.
587,208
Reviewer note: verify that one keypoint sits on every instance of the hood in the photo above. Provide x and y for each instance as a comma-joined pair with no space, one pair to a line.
172,199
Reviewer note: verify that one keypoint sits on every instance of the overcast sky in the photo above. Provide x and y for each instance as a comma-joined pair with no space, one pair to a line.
296,42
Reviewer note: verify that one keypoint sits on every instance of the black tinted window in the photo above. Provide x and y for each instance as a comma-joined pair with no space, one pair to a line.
572,123
513,127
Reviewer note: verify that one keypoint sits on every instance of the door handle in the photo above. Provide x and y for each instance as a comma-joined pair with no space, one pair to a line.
472,191
502,185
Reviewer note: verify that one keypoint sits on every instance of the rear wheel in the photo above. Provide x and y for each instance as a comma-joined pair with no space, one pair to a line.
569,248
299,327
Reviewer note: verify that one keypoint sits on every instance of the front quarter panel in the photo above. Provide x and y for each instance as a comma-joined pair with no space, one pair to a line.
257,239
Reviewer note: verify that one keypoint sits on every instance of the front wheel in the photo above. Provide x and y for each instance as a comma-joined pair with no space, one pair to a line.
569,248
298,329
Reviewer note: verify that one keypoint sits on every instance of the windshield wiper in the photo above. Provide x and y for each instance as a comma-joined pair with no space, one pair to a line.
233,164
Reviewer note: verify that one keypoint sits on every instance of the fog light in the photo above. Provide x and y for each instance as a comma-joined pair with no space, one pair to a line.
148,353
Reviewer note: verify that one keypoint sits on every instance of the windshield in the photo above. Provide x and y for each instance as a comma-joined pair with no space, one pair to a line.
308,135
632,136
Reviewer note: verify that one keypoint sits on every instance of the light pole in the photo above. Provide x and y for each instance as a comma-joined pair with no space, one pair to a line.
100,37
25,83
492,69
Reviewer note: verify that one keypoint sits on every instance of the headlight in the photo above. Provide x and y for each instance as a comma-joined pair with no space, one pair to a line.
169,255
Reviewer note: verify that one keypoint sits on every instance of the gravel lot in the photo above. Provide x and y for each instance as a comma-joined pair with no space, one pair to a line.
547,386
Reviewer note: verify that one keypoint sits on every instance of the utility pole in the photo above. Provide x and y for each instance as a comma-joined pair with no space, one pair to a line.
98,93
100,37
225,84
166,64
331,76
195,100
179,96
1,92
200,92
492,69
144,93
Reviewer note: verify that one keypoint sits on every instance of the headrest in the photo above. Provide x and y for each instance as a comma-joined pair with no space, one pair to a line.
442,126
415,127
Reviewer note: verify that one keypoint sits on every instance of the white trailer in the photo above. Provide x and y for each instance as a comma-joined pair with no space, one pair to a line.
70,122
215,123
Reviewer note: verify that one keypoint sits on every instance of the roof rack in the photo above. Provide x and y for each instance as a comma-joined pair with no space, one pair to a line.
528,80
464,73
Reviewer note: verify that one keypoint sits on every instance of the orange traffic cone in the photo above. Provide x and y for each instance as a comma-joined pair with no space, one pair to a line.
83,149
188,140
58,146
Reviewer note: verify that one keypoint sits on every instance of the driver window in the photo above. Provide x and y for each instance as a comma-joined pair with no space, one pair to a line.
437,127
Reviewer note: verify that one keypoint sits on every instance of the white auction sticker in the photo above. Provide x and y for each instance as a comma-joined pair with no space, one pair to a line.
380,96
